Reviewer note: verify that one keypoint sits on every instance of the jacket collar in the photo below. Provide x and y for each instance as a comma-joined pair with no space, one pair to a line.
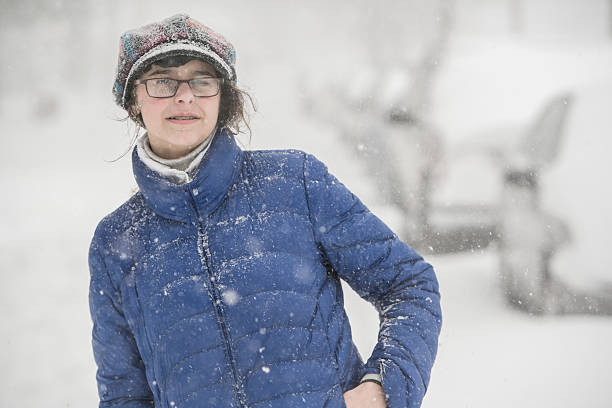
213,178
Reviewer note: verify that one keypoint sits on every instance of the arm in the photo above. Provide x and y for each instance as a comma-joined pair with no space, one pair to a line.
386,272
121,374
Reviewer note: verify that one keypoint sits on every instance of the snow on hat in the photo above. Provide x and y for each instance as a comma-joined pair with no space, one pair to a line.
177,35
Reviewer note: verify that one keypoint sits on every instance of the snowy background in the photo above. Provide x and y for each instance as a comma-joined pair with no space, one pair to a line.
503,60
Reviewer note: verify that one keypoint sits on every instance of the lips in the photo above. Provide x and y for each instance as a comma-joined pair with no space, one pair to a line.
183,117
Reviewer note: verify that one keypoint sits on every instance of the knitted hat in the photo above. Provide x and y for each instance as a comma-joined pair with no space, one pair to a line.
177,35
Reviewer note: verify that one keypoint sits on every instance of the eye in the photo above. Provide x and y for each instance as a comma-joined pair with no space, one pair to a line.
162,81
202,81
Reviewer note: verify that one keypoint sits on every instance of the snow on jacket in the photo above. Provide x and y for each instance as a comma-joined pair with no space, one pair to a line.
225,291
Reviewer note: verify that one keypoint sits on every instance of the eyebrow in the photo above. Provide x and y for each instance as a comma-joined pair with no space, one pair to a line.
204,73
160,71
167,71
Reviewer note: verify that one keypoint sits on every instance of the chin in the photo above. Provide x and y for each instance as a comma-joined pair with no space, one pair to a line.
188,139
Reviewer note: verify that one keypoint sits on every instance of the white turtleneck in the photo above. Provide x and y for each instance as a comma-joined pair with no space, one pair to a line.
179,170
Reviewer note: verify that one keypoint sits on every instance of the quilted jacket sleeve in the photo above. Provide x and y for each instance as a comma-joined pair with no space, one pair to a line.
386,272
121,374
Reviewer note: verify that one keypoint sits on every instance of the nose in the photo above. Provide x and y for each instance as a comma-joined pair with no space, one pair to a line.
184,94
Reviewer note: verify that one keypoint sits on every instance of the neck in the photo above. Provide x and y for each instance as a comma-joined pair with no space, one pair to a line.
179,169
167,151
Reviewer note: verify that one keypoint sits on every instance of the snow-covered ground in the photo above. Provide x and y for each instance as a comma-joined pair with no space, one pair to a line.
56,184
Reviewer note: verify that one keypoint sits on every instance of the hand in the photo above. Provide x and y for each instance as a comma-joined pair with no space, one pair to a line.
365,395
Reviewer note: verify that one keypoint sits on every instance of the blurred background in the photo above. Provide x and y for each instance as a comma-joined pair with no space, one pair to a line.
479,130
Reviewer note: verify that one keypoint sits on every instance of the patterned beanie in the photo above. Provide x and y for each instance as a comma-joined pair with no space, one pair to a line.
177,35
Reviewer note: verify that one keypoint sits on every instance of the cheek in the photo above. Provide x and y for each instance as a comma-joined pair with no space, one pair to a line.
151,112
212,108
147,106
146,113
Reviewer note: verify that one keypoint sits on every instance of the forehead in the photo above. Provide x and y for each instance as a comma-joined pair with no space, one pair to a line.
190,68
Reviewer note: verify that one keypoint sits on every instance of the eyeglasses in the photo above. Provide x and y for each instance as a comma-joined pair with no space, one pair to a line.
167,87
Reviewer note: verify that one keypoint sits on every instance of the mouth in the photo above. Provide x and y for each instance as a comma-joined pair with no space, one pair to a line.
183,117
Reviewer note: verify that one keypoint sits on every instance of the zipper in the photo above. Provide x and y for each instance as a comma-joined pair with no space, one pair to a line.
205,256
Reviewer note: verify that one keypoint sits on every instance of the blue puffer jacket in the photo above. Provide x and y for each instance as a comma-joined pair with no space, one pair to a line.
225,292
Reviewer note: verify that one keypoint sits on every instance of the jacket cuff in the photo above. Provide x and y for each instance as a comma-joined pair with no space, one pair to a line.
371,377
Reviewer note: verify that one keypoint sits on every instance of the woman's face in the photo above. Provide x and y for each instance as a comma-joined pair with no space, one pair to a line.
178,124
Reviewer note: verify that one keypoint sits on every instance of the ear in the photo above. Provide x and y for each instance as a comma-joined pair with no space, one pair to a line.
134,112
135,106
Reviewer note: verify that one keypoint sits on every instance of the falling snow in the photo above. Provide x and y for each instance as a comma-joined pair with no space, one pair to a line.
230,297
483,341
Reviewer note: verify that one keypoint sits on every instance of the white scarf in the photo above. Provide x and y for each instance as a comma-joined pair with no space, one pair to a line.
179,170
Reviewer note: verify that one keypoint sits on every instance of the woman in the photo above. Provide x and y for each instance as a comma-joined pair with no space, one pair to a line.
217,284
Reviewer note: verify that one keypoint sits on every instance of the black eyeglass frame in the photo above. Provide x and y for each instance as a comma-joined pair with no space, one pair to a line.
178,85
